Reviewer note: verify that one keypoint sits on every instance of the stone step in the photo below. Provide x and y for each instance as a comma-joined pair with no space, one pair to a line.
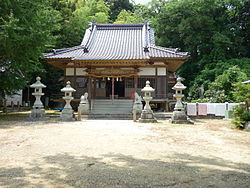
124,116
112,102
109,112
163,115
112,107
108,116
109,107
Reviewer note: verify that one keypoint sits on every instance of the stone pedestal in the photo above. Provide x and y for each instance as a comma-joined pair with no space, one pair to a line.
180,117
67,115
147,116
37,114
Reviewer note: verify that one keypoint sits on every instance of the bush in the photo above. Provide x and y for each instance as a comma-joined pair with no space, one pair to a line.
241,112
241,116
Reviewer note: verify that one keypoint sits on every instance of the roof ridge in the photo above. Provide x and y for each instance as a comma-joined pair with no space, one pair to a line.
56,52
90,39
120,25
167,50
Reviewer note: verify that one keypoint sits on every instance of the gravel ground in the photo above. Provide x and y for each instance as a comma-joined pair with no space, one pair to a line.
116,153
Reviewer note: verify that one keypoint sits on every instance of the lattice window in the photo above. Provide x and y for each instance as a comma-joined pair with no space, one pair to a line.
100,83
129,83
142,82
81,82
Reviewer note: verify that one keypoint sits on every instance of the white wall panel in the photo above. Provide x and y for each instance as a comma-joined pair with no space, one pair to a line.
161,71
69,71
147,71
80,71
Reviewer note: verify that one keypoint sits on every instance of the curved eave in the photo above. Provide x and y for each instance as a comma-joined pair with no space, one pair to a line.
172,63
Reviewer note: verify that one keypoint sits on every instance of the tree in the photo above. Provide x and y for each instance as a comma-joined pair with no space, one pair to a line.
212,71
26,32
116,6
241,112
75,16
212,31
222,89
128,17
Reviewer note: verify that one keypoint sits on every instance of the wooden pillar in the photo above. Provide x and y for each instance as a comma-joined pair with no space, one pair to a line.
28,96
90,91
73,84
167,90
4,105
12,105
113,89
135,83
156,82
18,106
94,88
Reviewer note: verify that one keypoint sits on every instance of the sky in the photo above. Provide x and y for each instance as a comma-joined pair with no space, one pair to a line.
142,1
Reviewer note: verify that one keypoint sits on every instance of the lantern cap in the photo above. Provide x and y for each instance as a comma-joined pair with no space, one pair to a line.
38,83
179,85
68,88
148,88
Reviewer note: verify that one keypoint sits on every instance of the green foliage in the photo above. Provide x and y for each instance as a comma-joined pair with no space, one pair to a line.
128,17
76,15
212,70
241,112
241,116
242,93
212,31
221,90
116,6
26,29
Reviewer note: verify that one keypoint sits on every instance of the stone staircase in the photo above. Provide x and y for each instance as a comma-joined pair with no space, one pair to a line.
163,115
108,109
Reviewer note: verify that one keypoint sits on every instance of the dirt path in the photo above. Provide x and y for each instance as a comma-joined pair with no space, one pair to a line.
124,154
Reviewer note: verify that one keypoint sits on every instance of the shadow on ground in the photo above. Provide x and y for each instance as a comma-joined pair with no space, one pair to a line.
117,170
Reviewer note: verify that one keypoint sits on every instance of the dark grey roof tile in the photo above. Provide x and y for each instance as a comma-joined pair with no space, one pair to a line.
117,42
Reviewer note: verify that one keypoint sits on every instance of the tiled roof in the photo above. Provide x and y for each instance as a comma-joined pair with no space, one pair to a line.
117,42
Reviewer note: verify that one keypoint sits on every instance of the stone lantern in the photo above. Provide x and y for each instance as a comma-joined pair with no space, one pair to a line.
178,87
67,112
38,108
179,115
147,115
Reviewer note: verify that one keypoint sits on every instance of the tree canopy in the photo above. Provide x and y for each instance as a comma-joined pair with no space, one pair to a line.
26,31
216,33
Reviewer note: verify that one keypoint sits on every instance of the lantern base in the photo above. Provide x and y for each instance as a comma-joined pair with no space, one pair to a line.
147,116
67,115
180,117
37,114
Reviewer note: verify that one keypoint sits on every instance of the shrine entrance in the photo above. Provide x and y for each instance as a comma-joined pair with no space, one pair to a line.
110,82
119,88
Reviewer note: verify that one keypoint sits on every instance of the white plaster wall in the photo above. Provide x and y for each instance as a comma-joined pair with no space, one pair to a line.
15,98
127,68
80,71
147,71
159,63
69,71
161,71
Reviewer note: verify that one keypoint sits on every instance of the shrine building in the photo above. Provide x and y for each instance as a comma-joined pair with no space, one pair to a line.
115,60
